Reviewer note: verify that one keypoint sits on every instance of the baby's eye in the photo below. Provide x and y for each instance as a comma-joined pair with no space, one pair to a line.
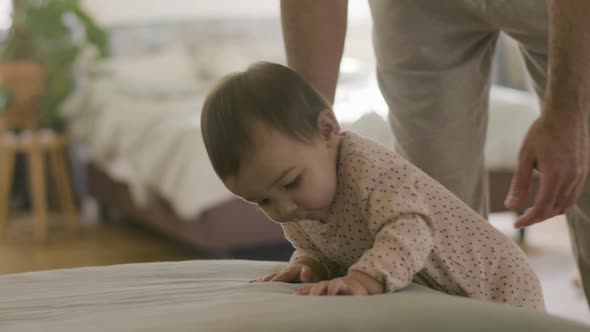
293,184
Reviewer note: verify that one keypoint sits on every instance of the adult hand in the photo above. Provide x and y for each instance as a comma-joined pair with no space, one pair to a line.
354,283
557,147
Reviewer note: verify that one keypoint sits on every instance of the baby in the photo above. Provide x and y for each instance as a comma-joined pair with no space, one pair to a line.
361,218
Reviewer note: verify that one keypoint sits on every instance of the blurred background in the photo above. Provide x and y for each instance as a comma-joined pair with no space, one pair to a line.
101,156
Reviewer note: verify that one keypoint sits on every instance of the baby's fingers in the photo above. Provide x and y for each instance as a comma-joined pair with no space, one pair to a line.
269,277
266,278
304,290
321,288
307,275
285,276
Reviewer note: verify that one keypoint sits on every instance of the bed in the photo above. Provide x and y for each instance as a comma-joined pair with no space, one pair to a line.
215,296
135,121
136,117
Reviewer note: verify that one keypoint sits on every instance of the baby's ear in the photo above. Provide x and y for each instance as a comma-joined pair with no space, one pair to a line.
327,125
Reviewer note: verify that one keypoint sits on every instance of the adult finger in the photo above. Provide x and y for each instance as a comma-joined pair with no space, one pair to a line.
572,194
550,187
521,182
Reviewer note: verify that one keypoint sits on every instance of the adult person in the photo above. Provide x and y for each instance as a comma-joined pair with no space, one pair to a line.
433,67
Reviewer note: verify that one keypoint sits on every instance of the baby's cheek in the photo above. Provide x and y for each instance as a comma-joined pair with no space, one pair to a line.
323,195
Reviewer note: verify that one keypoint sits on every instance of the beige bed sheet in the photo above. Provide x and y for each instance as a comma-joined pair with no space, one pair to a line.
215,296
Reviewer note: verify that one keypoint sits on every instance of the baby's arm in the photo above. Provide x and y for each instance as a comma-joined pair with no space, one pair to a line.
400,250
399,219
307,263
388,266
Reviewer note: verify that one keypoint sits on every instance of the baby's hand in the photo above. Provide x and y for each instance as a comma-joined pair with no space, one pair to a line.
293,273
354,283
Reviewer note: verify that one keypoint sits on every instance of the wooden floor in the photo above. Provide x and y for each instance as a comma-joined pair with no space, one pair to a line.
96,244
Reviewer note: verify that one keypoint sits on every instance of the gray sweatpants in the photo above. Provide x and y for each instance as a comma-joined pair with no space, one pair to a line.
433,64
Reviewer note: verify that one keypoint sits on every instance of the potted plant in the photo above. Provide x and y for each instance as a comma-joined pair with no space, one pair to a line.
42,45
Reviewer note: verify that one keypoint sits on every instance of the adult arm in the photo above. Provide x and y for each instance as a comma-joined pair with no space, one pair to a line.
557,142
314,33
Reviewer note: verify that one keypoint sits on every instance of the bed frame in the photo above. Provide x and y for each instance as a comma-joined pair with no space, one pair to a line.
233,229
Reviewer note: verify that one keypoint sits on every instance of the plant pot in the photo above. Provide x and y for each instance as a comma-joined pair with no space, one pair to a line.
26,81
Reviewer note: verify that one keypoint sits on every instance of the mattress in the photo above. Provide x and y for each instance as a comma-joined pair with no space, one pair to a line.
215,296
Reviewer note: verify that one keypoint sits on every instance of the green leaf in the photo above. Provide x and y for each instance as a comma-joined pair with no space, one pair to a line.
40,33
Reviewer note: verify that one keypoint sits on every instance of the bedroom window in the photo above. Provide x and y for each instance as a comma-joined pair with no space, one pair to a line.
5,15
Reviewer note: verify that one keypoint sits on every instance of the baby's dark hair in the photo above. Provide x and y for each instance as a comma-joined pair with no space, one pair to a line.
267,92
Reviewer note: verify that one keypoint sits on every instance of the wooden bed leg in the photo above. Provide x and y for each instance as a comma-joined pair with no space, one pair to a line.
37,187
521,235
62,184
104,212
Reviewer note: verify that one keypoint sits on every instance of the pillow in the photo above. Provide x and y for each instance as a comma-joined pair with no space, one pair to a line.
215,59
166,73
512,112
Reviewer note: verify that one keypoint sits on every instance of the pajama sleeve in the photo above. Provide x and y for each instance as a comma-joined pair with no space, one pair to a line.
306,249
399,220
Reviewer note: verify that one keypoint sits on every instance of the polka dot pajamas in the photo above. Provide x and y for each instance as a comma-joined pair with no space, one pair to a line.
395,223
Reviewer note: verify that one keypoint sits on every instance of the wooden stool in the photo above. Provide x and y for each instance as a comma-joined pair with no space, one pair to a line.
27,81
36,146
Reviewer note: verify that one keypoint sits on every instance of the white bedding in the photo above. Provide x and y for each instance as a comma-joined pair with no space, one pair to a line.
215,296
139,121
153,145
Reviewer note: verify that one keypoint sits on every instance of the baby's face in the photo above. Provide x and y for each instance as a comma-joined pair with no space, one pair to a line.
287,179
